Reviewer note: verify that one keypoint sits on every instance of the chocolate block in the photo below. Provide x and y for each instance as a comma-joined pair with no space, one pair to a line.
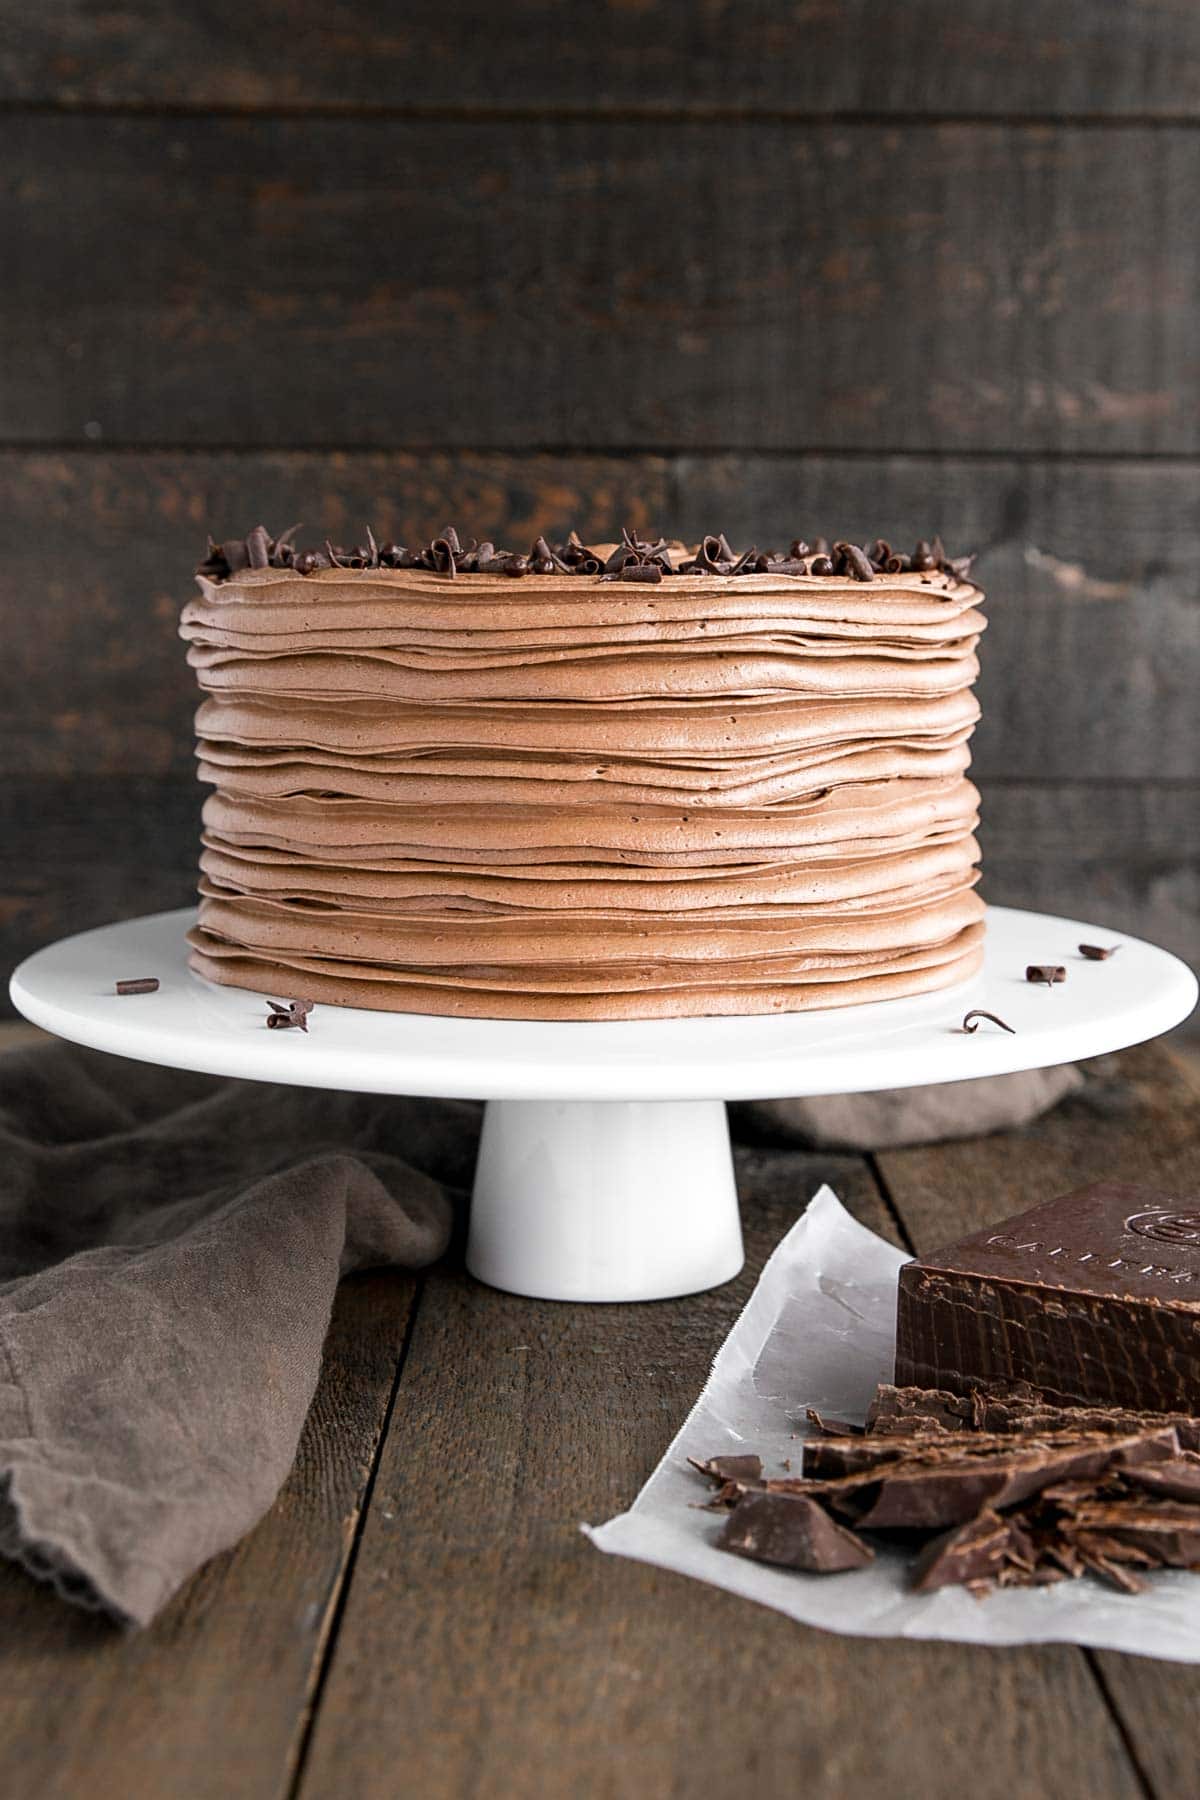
1092,1297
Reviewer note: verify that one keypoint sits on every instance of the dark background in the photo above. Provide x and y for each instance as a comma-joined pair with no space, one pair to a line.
767,268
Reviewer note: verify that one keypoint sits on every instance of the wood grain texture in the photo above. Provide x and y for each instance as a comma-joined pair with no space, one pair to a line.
1138,1122
1114,57
599,284
488,1650
1091,662
213,1699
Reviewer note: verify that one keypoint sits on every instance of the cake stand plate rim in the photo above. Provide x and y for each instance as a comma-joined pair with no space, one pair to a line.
67,988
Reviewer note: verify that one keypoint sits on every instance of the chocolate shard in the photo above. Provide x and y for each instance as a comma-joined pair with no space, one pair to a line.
1098,952
826,1459
258,547
1177,1478
946,1492
1093,1296
729,1468
974,1551
792,1532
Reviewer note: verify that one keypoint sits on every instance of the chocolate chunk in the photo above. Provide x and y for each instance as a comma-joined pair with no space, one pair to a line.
730,1468
973,1551
142,984
1092,1297
1098,952
793,1532
1046,973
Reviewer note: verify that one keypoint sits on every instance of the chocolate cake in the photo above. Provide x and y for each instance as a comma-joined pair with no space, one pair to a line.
631,780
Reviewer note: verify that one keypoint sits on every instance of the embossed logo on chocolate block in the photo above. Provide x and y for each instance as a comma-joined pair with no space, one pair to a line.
1167,1227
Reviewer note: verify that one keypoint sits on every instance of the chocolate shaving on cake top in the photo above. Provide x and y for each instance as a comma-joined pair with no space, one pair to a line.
635,558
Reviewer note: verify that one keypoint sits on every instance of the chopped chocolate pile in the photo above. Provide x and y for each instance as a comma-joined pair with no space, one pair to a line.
998,1487
634,558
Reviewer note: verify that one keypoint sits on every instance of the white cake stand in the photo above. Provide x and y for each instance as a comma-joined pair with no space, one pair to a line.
604,1168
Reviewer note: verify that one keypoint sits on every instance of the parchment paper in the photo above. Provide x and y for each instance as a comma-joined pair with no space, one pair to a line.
819,1331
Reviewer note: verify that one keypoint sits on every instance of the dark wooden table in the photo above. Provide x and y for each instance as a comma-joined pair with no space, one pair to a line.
419,1614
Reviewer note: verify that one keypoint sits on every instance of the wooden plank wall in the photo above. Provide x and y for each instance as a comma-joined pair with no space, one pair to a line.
762,265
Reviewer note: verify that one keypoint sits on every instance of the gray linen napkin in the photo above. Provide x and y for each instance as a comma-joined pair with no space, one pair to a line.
169,1249
895,1117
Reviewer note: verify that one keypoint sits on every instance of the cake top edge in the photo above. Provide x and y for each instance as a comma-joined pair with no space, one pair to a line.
631,558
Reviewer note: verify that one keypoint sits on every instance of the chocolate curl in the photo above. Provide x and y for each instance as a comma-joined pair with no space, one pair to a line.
854,561
821,565
1098,952
443,551
923,558
800,549
215,564
373,549
898,565
959,567
624,553
515,565
712,558
283,552
880,553
310,562
258,548
1047,974
971,1021
542,559
390,556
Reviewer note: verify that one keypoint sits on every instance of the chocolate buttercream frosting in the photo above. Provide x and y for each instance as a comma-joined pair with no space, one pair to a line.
735,785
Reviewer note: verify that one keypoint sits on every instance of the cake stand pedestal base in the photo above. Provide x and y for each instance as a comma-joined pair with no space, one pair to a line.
604,1200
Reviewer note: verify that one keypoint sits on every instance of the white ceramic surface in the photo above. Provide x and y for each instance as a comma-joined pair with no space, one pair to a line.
633,1200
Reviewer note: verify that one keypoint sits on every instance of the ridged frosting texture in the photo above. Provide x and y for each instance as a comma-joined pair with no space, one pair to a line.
574,798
